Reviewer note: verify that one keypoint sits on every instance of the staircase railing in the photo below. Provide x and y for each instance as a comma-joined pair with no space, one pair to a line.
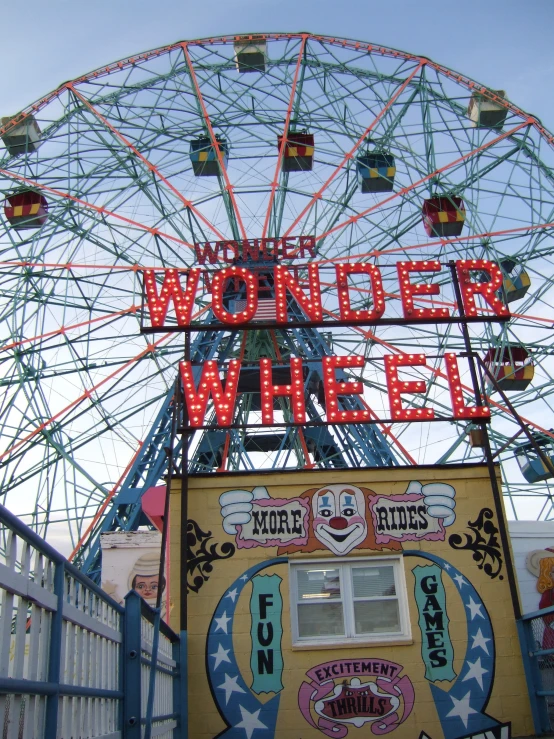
73,661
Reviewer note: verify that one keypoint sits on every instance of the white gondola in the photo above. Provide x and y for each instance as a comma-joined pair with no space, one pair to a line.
485,112
23,138
250,53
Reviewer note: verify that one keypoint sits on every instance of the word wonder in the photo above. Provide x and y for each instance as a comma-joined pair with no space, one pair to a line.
476,278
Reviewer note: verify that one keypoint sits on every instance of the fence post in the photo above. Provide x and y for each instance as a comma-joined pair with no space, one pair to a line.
539,709
180,686
55,654
132,667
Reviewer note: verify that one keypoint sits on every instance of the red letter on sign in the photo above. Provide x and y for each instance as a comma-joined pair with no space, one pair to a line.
409,289
197,400
310,305
334,388
295,391
397,387
218,284
171,288
461,410
346,313
486,289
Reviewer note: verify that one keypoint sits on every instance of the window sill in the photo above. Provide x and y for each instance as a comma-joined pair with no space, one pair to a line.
353,644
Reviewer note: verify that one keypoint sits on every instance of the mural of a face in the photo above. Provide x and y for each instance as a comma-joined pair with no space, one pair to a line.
147,586
339,519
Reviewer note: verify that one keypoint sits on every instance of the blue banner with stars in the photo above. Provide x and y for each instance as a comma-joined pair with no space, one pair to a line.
461,709
241,710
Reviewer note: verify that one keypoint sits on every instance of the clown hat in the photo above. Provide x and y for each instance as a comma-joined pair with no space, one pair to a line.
533,559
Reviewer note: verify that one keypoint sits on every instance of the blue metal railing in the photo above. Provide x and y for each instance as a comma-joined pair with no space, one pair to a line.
74,662
536,634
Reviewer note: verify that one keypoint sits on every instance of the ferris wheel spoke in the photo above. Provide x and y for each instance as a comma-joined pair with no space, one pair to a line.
72,444
423,180
229,188
65,329
284,137
438,374
84,396
149,165
97,209
350,154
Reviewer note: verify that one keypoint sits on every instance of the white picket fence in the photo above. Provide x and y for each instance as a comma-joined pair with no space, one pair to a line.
74,664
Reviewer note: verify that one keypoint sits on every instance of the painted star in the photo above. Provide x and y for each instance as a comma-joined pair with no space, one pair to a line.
480,641
244,577
462,709
230,686
222,622
250,722
475,608
232,594
447,566
460,580
220,656
476,672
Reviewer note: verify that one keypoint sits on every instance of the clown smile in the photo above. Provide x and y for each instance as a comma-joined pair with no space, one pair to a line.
336,536
339,537
343,540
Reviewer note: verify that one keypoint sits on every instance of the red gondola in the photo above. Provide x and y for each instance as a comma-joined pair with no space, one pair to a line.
299,152
444,215
512,367
26,209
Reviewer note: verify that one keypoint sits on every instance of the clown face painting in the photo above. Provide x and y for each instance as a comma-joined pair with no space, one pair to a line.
339,520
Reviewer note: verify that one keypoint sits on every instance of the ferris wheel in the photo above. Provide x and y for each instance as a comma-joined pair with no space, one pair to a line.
378,154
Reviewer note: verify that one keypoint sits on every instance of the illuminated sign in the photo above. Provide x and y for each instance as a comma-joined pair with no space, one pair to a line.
477,277
224,392
262,295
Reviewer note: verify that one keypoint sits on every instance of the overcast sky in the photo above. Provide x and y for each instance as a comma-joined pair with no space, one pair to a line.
505,45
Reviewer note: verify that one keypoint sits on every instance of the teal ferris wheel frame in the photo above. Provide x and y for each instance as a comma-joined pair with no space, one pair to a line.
83,390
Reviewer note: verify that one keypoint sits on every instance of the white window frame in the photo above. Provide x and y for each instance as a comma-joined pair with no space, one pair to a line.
345,566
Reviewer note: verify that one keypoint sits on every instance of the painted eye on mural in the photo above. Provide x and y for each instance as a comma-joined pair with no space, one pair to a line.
325,512
146,586
348,511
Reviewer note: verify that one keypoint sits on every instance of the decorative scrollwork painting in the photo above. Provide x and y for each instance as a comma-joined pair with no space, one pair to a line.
201,555
483,542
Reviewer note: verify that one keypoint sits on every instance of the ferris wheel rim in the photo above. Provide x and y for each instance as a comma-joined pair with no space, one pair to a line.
378,49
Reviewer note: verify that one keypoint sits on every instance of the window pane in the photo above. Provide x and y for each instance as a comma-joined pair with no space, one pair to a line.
318,584
321,619
376,616
373,582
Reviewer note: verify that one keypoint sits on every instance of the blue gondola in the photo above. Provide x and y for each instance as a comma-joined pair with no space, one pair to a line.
376,172
531,465
205,162
516,283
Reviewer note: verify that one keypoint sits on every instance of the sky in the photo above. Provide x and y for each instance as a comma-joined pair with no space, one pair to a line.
504,45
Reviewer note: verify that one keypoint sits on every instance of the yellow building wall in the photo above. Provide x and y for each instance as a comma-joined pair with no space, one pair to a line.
487,687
